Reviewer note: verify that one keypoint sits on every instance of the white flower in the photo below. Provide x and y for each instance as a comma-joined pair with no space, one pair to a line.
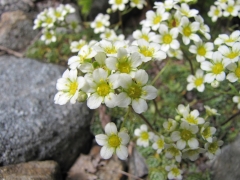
100,23
192,154
230,54
236,99
196,81
101,89
186,11
75,26
213,148
181,109
154,19
68,87
143,136
138,3
69,8
174,21
109,47
167,38
215,68
169,4
234,69
192,117
170,125
215,13
230,8
135,92
85,53
207,132
229,40
171,151
48,20
188,30
118,4
108,34
204,29
215,84
48,36
113,142
124,62
76,46
177,53
148,50
186,136
174,172
144,34
59,13
158,143
220,2
202,50
211,111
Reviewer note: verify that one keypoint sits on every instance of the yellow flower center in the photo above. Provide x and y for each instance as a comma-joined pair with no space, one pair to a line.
48,35
174,23
213,147
229,40
114,141
110,50
167,39
230,9
187,31
201,51
170,124
134,91
144,36
79,46
191,120
216,12
144,136
217,68
175,171
147,52
160,143
49,20
118,2
73,88
186,134
108,34
124,67
206,133
237,72
57,14
174,151
135,1
157,19
103,88
198,81
99,24
232,55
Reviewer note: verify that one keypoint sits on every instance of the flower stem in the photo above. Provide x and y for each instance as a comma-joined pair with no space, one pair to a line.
146,121
159,74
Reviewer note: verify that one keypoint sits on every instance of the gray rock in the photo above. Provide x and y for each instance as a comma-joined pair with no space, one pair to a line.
32,127
226,166
34,170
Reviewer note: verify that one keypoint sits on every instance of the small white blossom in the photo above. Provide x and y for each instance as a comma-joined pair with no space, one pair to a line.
138,3
228,40
69,8
230,8
113,142
215,68
202,50
118,4
207,132
76,46
188,30
192,117
186,136
174,21
145,34
177,53
143,135
213,148
68,87
48,36
186,11
215,12
171,151
211,111
204,29
59,13
174,172
181,109
108,34
192,154
234,74
232,54
100,23
196,81
170,125
158,143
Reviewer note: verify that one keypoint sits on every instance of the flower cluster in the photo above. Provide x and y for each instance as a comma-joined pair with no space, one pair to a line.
190,136
51,18
224,8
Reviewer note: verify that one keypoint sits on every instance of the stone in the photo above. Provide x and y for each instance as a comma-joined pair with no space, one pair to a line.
32,127
137,164
226,166
34,170
16,30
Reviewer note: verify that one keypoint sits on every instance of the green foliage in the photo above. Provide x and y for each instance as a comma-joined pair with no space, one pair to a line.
198,176
85,6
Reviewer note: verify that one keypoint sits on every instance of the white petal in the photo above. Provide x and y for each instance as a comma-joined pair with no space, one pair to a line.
110,128
110,100
141,77
122,152
175,136
193,143
181,144
106,152
139,106
111,63
125,137
101,139
94,101
123,100
151,92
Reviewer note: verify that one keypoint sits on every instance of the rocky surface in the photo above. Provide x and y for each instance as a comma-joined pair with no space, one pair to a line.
35,170
32,127
226,166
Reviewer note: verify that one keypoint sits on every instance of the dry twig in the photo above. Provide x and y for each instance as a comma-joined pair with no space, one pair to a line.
10,51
